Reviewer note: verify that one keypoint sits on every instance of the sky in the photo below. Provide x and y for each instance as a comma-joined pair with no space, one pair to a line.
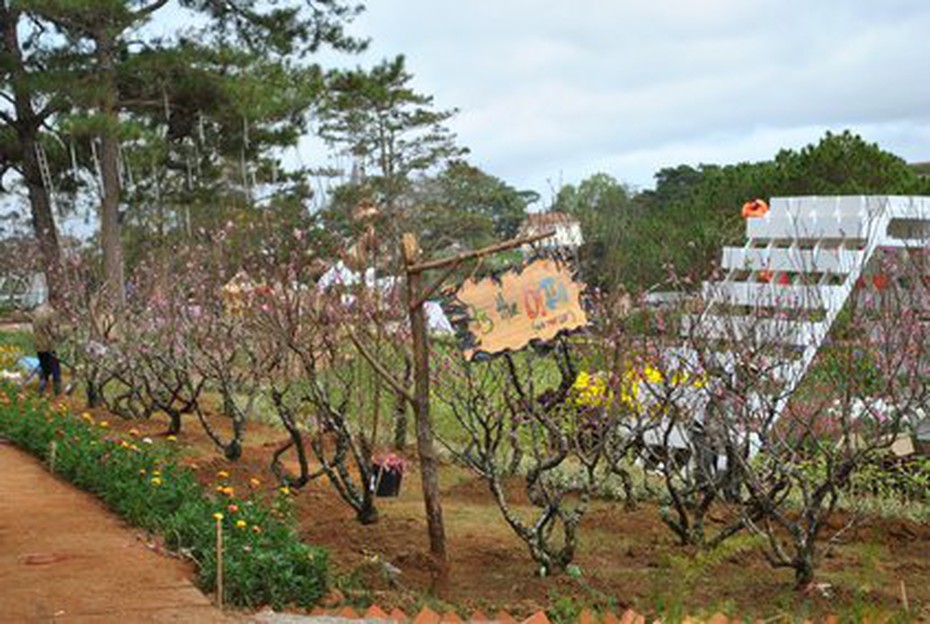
550,92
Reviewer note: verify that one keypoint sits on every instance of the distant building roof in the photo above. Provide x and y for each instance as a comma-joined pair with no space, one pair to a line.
567,228
551,219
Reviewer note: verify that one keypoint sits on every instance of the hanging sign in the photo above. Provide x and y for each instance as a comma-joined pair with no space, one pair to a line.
509,311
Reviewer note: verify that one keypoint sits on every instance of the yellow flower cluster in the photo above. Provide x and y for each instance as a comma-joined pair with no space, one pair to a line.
590,389
9,355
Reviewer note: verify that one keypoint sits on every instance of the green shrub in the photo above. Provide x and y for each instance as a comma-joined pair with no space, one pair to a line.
264,560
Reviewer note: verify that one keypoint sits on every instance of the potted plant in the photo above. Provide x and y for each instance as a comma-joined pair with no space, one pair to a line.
387,474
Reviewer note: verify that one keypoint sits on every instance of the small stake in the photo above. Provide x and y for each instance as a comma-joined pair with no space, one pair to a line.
219,560
904,596
52,452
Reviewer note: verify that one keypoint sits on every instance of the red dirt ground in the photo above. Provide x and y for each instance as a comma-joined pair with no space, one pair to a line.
626,558
64,557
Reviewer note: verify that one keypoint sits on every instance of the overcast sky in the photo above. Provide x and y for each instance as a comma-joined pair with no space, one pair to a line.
553,91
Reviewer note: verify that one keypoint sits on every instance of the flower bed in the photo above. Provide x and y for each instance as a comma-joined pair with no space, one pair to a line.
264,560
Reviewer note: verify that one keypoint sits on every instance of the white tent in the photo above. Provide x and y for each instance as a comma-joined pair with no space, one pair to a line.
341,275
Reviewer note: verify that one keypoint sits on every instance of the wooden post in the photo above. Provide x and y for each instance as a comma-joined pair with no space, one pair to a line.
429,468
417,295
219,560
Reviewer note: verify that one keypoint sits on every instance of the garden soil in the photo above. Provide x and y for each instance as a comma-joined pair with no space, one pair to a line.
624,559
64,557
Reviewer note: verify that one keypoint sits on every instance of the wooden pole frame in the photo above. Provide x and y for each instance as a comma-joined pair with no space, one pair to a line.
419,397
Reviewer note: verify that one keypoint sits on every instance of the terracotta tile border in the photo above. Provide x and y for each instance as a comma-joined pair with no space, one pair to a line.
427,616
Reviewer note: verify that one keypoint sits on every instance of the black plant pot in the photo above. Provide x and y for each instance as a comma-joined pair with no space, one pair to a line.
387,481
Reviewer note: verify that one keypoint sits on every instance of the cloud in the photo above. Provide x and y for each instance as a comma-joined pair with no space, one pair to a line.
550,90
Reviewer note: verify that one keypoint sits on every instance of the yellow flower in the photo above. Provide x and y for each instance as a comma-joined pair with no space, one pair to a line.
156,481
653,375
157,473
87,416
285,489
241,524
218,516
590,390
172,438
134,433
222,474
104,424
142,471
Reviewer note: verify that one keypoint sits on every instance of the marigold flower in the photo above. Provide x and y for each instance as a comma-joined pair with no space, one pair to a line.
228,491
241,524
254,482
222,474
218,516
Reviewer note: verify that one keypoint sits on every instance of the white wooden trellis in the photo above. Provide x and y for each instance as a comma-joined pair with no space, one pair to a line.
824,243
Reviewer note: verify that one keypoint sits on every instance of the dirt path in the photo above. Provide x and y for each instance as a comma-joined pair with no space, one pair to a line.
64,557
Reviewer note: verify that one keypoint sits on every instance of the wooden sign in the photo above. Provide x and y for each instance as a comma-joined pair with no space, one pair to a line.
512,310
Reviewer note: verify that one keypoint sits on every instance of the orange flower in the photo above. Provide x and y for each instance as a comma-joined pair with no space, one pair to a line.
254,482
755,208
222,474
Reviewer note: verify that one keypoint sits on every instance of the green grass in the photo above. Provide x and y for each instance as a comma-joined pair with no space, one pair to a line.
20,339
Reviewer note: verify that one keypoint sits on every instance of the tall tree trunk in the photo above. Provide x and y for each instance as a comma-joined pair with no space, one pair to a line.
26,125
109,170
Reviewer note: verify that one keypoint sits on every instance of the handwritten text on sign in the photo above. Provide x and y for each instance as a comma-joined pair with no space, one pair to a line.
535,304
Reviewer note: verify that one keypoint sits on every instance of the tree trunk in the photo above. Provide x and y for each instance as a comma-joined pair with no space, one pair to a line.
804,571
400,411
26,125
109,170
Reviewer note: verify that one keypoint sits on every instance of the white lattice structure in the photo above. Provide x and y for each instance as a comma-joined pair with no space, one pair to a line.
786,285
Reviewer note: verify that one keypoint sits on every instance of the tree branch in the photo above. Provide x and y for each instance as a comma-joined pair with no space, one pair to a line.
379,368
